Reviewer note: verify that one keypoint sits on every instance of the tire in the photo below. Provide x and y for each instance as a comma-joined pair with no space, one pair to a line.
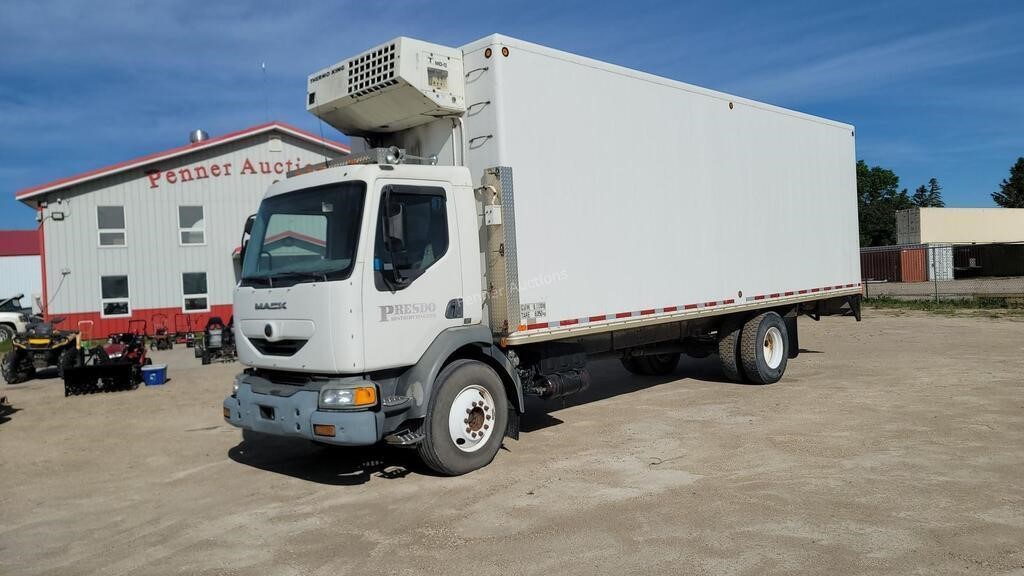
449,449
764,348
6,333
729,348
206,357
12,373
632,365
198,352
68,358
659,364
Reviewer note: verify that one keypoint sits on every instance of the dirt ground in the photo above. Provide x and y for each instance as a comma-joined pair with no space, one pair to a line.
893,446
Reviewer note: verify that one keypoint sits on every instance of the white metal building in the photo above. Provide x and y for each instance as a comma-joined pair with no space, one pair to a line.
19,265
153,238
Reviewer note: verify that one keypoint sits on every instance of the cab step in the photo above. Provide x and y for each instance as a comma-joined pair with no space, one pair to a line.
404,438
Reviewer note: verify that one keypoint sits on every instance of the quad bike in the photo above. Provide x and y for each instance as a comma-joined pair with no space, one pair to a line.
218,341
183,331
38,348
117,365
162,339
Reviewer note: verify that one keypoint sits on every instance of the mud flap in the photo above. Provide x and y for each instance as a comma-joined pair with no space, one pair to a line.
794,335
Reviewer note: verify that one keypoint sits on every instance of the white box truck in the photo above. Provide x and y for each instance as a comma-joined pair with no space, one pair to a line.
515,210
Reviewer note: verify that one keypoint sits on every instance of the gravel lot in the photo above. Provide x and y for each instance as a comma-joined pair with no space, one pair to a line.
892,446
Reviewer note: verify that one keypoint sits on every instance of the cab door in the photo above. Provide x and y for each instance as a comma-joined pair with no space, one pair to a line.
415,289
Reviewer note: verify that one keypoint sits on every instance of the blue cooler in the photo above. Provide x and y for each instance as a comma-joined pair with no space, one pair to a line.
155,374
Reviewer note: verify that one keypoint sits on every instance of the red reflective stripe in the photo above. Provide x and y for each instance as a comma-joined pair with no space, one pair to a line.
536,326
568,322
815,289
802,292
623,314
729,301
710,304
758,297
671,309
598,318
689,306
788,293
646,312
776,295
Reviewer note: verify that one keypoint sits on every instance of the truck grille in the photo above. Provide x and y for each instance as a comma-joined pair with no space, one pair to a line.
277,348
285,378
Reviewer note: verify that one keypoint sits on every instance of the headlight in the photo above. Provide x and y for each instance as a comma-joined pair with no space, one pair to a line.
348,397
234,385
115,355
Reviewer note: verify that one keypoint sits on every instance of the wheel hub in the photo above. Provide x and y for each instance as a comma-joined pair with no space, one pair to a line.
471,420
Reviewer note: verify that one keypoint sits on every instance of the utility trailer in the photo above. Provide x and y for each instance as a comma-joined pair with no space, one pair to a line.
510,211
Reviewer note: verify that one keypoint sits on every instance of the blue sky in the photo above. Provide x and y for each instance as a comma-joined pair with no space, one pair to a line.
936,89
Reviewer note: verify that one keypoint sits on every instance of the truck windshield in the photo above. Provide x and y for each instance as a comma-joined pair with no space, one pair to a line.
305,236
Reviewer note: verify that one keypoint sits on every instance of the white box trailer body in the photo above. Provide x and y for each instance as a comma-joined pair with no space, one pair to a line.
590,209
634,193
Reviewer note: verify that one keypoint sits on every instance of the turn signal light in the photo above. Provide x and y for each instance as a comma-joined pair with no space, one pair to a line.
366,396
227,412
323,430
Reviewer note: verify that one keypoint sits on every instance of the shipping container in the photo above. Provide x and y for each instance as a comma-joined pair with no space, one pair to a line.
913,263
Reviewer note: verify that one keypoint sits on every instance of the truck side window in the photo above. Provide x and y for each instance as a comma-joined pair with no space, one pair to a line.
418,216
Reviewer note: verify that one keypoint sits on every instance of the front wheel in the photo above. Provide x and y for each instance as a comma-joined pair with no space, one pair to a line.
764,348
466,419
13,369
6,333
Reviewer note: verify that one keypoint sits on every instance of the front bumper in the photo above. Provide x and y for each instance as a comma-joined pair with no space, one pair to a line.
296,414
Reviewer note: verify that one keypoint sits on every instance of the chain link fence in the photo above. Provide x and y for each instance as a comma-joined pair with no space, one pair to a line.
944,271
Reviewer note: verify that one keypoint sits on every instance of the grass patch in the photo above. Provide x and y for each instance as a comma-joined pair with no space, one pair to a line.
5,347
1011,306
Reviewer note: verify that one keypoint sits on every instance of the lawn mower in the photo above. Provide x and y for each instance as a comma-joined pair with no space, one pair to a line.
117,365
161,338
218,341
183,332
38,348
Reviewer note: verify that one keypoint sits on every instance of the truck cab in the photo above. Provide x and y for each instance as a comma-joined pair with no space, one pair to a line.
350,274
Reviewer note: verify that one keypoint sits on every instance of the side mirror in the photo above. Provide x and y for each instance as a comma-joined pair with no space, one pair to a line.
246,231
395,232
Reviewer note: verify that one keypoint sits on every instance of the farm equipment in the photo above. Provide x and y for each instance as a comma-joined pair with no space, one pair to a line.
117,365
162,339
218,341
38,348
183,330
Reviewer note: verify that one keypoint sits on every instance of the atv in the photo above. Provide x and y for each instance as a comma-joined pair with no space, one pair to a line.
38,348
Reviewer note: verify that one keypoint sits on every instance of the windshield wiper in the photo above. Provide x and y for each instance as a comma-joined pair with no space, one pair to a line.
308,275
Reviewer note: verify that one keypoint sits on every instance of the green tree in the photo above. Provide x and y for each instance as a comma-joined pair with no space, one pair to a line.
929,196
1011,193
878,198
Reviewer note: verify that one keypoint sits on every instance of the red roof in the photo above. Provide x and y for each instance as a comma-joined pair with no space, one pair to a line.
62,183
19,243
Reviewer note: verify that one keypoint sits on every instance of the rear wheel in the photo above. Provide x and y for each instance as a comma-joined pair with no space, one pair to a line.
729,348
659,364
466,419
764,348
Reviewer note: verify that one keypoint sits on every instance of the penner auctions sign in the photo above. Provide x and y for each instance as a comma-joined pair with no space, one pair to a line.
186,174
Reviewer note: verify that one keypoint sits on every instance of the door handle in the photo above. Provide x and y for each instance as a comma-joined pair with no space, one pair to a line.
454,309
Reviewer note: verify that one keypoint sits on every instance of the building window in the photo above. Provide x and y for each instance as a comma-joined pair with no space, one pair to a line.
110,221
193,288
114,293
191,225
